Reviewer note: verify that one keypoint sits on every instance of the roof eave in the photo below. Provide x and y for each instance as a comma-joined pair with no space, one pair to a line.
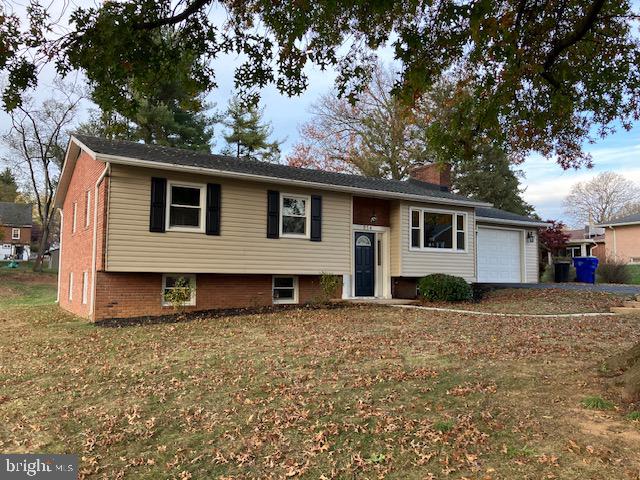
504,221
624,224
116,159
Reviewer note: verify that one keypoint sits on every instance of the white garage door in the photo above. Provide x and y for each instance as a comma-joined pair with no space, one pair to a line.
499,255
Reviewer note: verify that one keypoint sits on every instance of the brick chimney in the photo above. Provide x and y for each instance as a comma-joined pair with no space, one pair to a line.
435,173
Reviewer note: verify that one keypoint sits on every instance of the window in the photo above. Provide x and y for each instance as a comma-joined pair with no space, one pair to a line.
285,289
170,282
70,286
75,215
85,287
186,207
15,234
433,229
294,215
87,209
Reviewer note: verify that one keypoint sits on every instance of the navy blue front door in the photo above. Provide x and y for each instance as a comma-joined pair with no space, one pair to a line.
365,264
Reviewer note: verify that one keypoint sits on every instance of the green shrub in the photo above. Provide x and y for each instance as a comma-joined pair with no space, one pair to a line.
634,416
613,270
444,288
180,294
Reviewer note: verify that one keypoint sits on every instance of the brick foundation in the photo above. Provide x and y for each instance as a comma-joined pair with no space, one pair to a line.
122,295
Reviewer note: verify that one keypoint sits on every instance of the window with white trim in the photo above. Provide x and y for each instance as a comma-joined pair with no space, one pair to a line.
170,282
70,286
75,216
285,289
295,215
85,287
185,207
437,230
87,209
15,234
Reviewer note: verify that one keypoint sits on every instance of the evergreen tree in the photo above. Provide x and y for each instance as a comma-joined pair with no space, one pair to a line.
490,178
8,186
163,107
248,135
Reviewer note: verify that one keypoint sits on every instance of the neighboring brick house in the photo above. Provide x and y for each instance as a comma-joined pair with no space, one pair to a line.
15,230
586,242
245,233
622,238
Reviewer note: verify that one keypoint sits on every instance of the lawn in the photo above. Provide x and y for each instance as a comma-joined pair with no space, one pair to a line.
358,392
21,286
543,301
635,274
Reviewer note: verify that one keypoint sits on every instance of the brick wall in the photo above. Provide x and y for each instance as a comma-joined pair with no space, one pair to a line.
5,235
77,247
627,245
365,208
120,295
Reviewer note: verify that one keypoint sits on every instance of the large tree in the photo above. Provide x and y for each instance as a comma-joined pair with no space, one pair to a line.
545,75
605,197
164,106
37,141
248,134
8,186
379,136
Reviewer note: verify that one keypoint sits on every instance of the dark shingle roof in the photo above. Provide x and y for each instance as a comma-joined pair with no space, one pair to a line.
188,158
628,219
15,214
497,214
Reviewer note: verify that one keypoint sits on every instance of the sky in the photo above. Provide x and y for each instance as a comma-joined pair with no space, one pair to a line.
544,182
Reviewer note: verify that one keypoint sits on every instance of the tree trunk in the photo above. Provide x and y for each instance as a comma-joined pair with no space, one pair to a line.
624,367
37,266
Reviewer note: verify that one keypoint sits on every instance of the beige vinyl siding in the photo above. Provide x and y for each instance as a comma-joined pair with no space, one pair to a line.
395,239
531,253
242,246
419,263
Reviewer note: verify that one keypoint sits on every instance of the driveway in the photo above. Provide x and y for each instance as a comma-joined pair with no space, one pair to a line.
585,287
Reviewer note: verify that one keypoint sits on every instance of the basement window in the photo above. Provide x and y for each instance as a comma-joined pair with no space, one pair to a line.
285,289
172,282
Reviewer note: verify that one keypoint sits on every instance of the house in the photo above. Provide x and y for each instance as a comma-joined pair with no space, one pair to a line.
15,231
622,238
247,233
587,242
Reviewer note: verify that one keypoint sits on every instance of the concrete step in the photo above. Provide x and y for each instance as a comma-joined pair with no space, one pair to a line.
626,310
632,304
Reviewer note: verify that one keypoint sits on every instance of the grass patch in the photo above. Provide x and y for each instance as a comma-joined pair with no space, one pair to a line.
444,426
597,403
634,416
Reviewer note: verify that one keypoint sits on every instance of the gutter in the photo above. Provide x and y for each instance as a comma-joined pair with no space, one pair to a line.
94,252
513,222
116,159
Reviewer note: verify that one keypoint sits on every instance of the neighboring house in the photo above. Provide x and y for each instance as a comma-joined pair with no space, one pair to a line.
622,238
15,231
247,233
587,242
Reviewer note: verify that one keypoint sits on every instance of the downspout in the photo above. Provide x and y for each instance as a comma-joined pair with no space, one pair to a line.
60,254
94,253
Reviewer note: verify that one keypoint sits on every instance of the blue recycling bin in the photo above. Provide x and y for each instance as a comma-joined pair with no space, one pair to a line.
586,269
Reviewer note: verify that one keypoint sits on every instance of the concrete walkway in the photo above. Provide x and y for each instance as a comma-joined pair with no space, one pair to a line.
494,314
580,287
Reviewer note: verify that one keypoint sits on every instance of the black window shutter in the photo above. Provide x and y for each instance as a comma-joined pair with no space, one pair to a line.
213,209
316,218
273,214
158,204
